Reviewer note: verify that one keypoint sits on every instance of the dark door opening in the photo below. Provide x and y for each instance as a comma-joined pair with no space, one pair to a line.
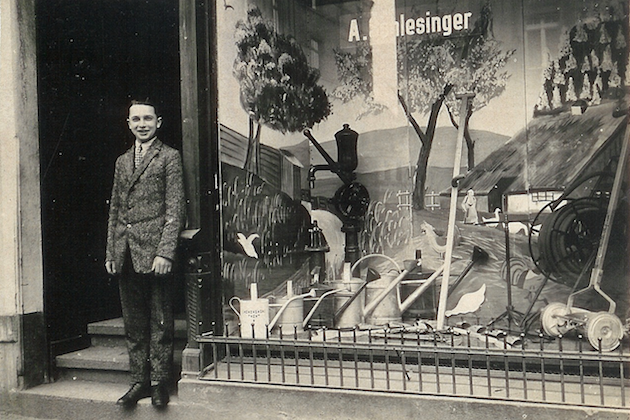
495,196
93,57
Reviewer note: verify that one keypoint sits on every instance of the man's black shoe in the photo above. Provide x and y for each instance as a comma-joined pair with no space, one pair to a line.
159,396
137,391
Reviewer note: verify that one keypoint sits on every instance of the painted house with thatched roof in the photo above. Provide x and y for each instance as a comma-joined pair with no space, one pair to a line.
553,154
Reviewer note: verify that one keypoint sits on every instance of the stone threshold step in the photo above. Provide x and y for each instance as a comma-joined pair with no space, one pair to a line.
102,358
115,327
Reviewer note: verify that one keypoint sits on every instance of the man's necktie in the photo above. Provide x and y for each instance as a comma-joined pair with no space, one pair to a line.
139,156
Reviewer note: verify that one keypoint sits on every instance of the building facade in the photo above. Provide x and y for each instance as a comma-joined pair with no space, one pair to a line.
384,119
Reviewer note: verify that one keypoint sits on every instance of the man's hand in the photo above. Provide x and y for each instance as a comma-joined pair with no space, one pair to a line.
111,268
162,266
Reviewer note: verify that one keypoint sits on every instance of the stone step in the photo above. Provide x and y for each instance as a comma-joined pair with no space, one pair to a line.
104,364
106,360
98,364
103,358
84,400
111,332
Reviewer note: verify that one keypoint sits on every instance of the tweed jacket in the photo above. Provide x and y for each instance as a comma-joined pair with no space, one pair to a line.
147,207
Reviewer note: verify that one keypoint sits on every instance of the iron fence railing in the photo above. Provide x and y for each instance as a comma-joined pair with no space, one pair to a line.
559,371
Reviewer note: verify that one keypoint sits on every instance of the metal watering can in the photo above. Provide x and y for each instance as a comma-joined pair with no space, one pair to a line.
345,294
290,310
383,299
319,301
346,291
385,306
253,315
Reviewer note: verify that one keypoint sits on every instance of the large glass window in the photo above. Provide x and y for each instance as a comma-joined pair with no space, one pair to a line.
404,130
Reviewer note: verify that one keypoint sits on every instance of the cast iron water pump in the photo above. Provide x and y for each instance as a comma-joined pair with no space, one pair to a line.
351,200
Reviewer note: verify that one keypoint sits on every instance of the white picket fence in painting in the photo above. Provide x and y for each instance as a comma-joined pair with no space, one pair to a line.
431,201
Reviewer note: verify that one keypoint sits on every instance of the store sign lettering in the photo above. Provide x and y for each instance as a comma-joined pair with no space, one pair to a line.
446,25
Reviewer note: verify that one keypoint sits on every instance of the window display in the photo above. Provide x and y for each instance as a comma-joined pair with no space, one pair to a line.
446,162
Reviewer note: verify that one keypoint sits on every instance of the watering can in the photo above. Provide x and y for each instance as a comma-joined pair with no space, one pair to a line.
383,299
318,302
383,306
347,289
382,302
320,295
385,295
253,315
290,310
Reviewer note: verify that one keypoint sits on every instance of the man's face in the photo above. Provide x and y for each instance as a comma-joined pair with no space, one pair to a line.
143,122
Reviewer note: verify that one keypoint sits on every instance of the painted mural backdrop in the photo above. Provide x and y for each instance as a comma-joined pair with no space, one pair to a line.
340,123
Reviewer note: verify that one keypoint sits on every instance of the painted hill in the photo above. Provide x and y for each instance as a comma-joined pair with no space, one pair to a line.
382,150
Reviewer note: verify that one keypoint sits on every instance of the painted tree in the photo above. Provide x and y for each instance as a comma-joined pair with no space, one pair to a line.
487,80
278,88
431,70
593,57
354,71
570,95
546,95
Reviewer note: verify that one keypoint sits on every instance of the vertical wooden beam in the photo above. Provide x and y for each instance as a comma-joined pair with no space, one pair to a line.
189,108
200,130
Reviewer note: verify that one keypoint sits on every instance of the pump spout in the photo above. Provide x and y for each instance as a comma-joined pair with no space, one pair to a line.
313,169
332,165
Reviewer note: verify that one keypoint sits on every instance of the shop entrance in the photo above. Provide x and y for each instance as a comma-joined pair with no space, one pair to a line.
93,57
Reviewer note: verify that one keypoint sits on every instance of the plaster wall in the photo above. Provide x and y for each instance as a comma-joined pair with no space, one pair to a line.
21,273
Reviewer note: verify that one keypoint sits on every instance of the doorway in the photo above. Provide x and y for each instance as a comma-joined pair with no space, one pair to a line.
93,58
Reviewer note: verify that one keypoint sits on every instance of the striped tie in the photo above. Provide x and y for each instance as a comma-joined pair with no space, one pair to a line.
139,156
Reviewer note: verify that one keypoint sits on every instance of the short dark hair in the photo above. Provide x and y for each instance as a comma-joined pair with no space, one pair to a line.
147,102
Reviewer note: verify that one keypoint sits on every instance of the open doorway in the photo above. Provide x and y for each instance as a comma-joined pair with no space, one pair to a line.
93,57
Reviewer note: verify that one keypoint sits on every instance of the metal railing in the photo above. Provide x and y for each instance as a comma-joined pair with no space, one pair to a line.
558,371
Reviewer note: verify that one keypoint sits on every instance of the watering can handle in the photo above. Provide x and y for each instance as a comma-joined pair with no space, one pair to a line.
232,306
365,257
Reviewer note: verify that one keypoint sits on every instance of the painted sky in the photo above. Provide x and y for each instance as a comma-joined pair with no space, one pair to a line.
534,28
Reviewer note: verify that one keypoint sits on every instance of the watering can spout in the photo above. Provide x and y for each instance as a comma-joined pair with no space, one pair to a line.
420,290
317,304
397,308
369,308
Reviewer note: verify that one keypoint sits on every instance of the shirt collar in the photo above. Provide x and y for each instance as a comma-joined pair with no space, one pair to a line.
146,145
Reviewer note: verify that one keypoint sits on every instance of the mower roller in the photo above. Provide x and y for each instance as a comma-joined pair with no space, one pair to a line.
574,236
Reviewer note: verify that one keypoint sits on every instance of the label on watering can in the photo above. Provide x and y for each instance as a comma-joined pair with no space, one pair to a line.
254,312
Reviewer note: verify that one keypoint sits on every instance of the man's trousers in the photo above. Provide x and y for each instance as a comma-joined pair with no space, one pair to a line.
147,305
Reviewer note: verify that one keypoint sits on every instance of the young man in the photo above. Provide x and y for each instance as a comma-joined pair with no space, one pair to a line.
146,216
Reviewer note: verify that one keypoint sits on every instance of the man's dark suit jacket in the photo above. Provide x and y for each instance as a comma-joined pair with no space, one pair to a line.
147,207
